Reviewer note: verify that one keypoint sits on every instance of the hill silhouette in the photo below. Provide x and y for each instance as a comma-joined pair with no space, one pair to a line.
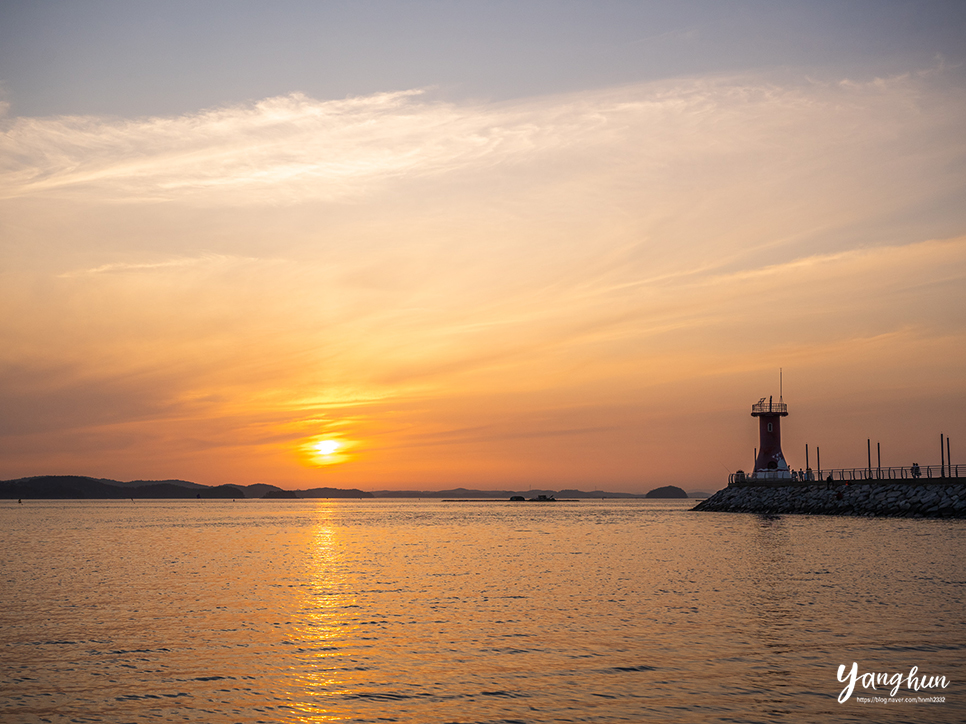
67,487
81,487
668,491
456,493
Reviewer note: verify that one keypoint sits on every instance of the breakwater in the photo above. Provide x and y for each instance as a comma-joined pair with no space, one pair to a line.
935,498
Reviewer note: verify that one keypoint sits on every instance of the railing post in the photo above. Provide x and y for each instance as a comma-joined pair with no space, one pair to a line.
942,457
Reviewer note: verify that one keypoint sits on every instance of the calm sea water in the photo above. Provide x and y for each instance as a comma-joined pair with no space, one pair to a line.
429,611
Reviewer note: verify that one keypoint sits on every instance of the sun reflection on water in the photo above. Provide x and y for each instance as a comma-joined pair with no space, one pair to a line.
324,632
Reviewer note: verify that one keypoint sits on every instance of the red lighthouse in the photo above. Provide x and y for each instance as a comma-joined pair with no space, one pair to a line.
770,462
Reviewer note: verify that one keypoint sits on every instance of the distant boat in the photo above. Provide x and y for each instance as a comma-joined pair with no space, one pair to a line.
543,499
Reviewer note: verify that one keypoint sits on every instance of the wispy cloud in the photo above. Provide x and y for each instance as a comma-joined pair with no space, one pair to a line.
293,148
167,264
287,148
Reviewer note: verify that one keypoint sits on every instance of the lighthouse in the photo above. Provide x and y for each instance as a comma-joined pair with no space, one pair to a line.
770,463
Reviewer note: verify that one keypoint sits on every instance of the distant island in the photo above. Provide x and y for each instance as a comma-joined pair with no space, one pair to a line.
455,493
281,494
668,491
85,488
66,487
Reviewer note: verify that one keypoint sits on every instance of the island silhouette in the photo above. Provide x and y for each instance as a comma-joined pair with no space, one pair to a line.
66,487
82,487
668,491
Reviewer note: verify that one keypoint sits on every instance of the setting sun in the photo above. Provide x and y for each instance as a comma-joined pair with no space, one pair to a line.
318,452
327,447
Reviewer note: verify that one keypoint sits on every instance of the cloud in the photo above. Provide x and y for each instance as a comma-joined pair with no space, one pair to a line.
294,148
283,149
168,264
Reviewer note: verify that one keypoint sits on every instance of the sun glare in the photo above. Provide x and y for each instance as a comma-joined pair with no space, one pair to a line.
326,451
327,447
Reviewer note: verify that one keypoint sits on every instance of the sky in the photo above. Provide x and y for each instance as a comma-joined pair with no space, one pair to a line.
500,245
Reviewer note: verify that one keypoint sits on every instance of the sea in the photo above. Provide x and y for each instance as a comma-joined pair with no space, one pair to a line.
426,611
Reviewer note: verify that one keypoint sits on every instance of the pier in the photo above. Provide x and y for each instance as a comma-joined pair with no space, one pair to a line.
879,498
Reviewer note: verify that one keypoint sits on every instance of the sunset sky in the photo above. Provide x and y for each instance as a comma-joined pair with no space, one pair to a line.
496,244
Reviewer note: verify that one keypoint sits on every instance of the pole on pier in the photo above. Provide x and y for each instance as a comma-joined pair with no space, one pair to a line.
949,459
878,458
806,456
942,457
818,460
868,446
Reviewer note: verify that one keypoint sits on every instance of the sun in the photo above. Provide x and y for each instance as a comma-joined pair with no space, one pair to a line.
327,447
325,451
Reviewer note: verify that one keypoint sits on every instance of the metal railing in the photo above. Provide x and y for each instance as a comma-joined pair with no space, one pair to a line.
912,474
762,407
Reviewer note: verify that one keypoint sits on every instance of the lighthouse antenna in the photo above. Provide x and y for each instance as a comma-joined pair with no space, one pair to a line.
780,397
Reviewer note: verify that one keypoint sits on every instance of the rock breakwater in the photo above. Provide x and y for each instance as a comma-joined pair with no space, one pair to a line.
932,499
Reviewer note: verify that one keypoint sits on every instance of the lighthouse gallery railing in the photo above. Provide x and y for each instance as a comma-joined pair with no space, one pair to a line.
762,407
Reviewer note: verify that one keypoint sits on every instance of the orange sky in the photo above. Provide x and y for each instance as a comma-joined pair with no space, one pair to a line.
579,290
